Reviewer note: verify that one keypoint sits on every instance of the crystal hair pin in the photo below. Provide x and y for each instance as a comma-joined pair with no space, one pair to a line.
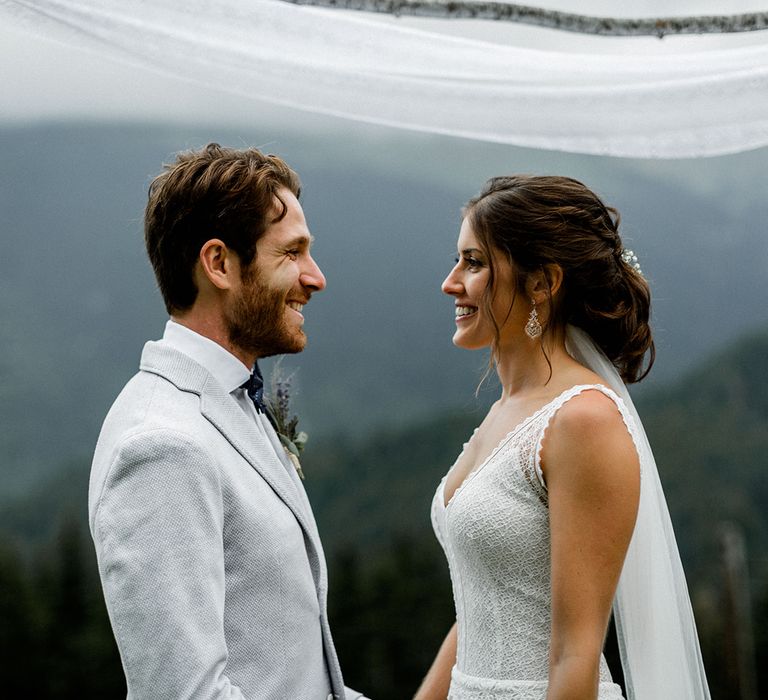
629,257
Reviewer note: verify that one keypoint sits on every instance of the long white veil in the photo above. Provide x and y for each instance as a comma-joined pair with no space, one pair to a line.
659,647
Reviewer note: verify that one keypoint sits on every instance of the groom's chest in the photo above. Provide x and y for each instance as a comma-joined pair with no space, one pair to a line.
266,516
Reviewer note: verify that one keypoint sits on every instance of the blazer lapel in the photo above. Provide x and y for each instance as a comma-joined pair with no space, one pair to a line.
251,443
230,420
288,465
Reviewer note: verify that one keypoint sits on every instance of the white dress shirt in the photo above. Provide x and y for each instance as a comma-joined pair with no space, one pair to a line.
229,372
226,369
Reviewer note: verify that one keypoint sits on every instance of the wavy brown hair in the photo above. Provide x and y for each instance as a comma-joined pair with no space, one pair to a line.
214,192
536,221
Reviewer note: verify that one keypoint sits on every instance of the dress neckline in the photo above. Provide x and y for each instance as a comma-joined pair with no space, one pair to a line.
578,388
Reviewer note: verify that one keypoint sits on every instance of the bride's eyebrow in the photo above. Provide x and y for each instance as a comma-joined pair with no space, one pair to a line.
471,251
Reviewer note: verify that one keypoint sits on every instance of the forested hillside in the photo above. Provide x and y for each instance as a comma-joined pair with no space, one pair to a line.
390,594
709,432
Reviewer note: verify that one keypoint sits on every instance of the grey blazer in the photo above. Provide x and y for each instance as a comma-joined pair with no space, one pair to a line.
209,556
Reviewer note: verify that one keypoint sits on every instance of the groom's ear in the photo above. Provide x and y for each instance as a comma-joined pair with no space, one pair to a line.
219,265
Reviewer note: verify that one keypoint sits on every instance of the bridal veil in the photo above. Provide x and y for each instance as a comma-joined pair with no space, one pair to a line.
655,626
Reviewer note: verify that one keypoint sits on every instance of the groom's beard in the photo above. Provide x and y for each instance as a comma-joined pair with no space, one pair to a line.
256,320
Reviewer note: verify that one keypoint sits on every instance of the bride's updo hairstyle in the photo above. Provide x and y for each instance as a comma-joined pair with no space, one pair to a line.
537,221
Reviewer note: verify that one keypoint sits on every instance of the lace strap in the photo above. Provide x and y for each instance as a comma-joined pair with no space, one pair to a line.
558,403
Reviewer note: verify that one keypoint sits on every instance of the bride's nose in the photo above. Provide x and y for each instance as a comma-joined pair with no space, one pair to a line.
451,284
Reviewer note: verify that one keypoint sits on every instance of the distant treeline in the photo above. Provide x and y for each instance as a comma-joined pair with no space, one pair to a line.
390,599
55,637
389,613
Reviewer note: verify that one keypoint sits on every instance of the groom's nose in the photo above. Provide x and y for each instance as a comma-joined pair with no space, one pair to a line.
312,276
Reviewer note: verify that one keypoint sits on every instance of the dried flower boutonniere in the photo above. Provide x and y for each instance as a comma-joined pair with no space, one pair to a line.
278,405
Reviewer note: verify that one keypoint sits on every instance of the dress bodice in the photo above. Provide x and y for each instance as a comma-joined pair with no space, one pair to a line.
495,533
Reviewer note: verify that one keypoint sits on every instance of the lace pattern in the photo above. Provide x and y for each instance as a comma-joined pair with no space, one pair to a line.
464,687
495,533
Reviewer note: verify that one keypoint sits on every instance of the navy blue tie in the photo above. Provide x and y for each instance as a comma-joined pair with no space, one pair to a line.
255,389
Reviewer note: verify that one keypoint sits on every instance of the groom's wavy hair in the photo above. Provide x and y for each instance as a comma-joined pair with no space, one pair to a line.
536,221
210,193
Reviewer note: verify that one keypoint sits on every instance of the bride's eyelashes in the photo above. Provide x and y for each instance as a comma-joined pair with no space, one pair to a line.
472,263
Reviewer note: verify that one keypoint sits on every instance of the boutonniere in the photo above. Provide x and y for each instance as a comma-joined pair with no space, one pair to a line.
278,405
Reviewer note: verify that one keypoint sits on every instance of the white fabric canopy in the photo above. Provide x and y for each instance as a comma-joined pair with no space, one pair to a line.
637,104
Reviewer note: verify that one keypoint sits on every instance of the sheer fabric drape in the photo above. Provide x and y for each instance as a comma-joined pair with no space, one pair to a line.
348,64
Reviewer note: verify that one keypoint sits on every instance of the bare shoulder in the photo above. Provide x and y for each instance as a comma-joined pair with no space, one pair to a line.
587,437
589,411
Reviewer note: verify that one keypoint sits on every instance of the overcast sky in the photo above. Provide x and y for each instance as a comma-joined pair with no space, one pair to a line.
43,79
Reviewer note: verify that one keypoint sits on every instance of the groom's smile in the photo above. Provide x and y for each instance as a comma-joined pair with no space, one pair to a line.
297,307
266,316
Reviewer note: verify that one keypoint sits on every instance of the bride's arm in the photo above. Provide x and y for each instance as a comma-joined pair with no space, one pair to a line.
593,478
438,678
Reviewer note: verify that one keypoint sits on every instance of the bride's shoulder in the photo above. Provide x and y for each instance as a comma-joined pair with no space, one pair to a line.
588,431
590,408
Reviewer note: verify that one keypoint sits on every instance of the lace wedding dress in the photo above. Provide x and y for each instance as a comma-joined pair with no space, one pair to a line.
495,533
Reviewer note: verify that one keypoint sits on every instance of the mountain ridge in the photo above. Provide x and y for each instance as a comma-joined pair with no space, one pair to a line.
80,300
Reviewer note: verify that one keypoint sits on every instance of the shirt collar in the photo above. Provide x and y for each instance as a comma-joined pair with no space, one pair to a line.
225,368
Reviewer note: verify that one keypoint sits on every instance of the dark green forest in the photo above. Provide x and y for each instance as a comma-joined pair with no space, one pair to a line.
390,596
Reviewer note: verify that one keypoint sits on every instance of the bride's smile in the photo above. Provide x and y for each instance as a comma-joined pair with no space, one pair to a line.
490,310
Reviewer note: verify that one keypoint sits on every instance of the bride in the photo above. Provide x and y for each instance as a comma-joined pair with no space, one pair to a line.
553,513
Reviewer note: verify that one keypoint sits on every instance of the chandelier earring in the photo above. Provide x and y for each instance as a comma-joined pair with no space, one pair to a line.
533,327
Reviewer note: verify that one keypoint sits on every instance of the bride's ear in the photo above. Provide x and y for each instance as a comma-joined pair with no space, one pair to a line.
543,285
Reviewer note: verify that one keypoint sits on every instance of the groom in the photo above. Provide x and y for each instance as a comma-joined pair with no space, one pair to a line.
208,552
